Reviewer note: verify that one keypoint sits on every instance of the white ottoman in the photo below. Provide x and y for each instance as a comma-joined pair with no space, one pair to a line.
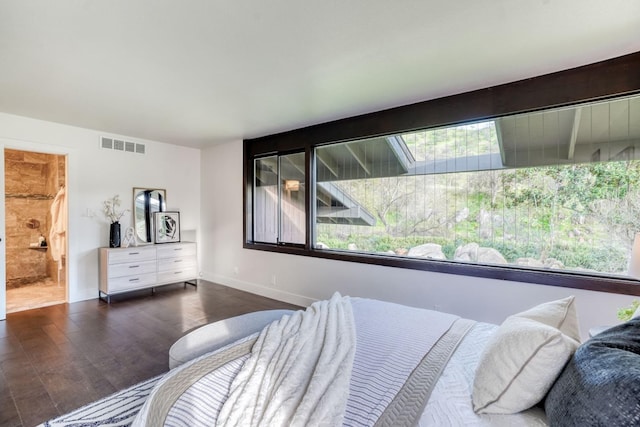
214,335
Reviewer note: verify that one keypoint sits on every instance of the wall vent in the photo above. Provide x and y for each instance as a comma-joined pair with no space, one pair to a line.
121,145
106,143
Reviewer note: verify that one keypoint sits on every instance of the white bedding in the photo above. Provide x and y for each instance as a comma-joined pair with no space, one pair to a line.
450,403
400,333
391,341
298,371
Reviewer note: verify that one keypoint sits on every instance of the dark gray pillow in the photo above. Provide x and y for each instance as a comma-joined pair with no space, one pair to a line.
600,386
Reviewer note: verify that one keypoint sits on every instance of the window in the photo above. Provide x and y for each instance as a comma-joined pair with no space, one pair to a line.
535,181
279,199
558,189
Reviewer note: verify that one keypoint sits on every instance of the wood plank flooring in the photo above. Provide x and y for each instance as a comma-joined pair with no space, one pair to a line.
58,358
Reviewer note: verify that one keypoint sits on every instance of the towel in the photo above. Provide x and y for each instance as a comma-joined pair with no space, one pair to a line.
57,234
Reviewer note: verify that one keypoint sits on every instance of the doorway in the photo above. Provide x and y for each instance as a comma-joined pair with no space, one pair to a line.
35,229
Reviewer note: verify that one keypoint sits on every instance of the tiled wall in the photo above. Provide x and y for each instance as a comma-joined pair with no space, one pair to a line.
31,183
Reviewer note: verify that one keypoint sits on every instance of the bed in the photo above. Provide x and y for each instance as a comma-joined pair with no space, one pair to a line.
391,365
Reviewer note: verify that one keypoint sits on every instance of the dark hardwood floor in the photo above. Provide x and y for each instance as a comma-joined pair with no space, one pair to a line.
58,358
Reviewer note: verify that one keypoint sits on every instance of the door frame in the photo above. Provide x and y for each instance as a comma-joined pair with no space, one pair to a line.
35,147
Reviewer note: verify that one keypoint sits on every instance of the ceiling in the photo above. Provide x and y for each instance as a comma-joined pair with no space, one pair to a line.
201,72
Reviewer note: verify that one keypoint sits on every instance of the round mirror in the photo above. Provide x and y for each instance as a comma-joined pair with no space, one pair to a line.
146,201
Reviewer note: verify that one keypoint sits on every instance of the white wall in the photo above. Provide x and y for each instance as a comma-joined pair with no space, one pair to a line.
304,279
95,174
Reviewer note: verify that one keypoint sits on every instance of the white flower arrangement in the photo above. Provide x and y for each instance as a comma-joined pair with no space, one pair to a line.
111,209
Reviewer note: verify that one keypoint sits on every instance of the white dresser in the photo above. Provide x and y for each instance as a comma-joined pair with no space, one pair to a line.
128,269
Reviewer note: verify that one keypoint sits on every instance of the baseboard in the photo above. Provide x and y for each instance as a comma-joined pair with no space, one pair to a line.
259,289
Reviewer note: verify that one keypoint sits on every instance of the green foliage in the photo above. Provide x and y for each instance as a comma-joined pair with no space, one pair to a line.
583,215
512,250
586,257
574,187
625,313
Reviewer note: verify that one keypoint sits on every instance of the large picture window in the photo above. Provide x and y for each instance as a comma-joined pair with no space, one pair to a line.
535,181
557,190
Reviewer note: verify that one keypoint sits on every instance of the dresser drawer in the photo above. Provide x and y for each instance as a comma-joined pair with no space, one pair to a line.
177,275
132,255
131,268
173,250
173,264
128,283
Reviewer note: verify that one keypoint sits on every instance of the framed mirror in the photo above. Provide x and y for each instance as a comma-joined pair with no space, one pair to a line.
146,201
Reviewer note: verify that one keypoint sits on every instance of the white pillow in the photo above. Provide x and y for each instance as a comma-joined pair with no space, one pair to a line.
524,357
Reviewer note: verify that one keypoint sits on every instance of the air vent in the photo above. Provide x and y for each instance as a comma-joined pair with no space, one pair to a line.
107,143
121,145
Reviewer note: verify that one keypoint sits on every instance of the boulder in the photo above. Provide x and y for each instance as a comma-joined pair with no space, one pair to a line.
485,224
468,252
553,264
428,250
472,252
462,215
529,262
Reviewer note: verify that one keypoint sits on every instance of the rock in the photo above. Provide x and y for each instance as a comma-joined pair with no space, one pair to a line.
485,225
352,247
529,262
553,264
491,256
468,252
428,250
320,245
462,215
401,251
472,252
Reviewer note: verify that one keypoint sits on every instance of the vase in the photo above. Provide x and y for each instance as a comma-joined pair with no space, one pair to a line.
114,235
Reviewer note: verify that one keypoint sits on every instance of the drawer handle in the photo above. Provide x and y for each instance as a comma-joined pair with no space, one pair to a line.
134,266
134,253
134,280
178,272
177,260
177,249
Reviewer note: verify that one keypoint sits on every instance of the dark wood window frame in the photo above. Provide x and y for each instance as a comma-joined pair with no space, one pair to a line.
599,81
